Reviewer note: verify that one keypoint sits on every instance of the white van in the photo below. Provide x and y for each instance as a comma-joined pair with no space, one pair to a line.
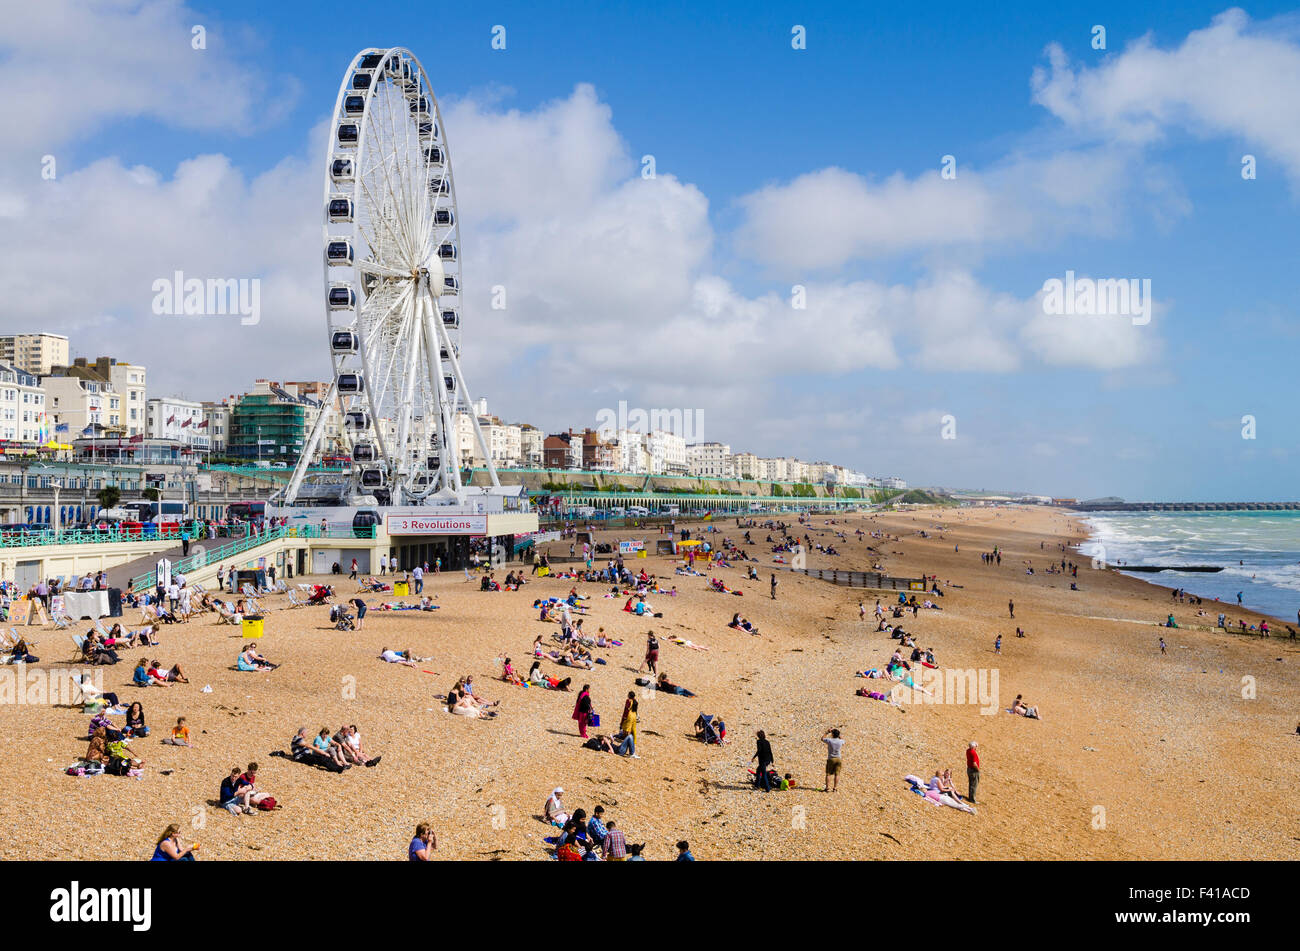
638,510
672,510
617,511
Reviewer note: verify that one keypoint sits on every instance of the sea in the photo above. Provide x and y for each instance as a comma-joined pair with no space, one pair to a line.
1259,553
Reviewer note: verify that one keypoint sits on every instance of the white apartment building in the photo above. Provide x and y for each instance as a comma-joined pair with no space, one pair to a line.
629,451
667,452
37,354
503,439
531,440
466,442
774,470
182,420
711,460
893,482
745,465
129,380
22,407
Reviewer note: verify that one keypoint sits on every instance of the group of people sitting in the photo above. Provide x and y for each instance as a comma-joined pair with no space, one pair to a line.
250,660
333,753
939,790
239,792
742,624
151,673
462,702
587,840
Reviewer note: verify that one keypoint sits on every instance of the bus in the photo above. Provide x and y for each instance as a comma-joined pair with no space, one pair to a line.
162,510
252,511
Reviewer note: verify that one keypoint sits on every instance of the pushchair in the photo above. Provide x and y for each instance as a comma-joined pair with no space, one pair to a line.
710,729
342,620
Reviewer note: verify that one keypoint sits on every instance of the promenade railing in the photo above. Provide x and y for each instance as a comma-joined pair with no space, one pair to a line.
207,556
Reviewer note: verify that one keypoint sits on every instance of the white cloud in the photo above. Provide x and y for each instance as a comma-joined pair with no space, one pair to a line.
73,68
1233,78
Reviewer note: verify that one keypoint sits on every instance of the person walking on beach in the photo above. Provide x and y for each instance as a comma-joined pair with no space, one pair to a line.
972,770
773,586
1162,646
651,653
762,753
1238,599
1011,608
833,746
582,710
997,645
353,573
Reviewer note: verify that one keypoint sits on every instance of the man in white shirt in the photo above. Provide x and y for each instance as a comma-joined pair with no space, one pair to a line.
417,573
383,564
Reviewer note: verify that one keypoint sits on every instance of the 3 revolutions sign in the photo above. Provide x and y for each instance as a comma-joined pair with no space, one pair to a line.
436,524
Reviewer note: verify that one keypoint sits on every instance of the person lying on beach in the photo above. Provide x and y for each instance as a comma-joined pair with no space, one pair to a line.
249,660
665,685
1020,708
539,679
877,695
397,657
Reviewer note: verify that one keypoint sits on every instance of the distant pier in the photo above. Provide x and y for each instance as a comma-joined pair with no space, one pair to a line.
1185,507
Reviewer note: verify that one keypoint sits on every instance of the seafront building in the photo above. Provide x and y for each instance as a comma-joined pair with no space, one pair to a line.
37,354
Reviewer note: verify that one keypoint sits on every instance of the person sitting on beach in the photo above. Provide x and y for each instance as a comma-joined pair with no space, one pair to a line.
140,676
250,660
180,734
554,810
397,657
135,725
249,780
348,739
168,848
508,674
173,675
95,653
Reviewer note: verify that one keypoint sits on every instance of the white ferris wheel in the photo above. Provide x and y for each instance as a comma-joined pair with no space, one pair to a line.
392,293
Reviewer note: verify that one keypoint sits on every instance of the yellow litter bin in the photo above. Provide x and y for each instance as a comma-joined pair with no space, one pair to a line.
252,627
401,589
641,553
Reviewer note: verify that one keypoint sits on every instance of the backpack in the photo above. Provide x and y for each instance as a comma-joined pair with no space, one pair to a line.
267,803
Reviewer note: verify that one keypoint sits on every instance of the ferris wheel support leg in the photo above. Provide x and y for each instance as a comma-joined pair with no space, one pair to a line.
309,450
449,451
464,390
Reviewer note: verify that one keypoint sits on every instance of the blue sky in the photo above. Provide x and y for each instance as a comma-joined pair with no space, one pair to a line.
1117,163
